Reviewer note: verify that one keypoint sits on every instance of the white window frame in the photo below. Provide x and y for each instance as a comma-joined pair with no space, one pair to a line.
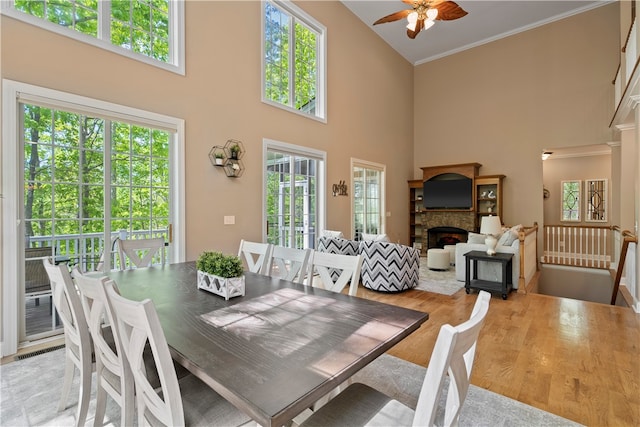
321,89
588,207
297,150
176,63
383,190
13,93
562,197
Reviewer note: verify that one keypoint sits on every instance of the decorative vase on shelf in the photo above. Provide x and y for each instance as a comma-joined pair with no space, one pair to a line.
491,194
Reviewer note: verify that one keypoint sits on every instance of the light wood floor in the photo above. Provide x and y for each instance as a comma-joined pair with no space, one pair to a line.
576,359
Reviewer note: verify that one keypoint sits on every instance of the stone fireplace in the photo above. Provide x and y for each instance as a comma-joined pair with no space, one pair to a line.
441,228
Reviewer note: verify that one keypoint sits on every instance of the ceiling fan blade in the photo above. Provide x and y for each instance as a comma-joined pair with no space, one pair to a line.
393,17
448,11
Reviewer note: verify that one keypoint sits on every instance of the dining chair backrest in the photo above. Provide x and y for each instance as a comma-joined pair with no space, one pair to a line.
78,347
453,353
289,263
137,325
140,252
323,264
255,255
112,370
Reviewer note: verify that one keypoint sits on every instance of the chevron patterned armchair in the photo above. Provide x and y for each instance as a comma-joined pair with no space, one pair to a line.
338,245
389,267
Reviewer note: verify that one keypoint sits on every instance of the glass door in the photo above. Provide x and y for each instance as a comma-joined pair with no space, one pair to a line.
368,198
88,181
291,198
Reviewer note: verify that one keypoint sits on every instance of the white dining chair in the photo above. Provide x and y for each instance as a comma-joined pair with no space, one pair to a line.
113,375
140,252
176,403
289,263
333,271
255,255
453,353
78,347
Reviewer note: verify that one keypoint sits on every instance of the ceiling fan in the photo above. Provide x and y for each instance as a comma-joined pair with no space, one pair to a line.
424,13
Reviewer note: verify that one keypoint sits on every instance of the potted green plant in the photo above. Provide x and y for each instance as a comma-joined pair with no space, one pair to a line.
235,151
220,274
219,158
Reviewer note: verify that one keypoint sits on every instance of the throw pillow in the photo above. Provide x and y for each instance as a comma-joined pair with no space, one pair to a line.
476,238
331,233
374,237
507,238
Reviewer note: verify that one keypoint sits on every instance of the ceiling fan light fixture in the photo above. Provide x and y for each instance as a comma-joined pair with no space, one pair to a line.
412,18
428,23
432,14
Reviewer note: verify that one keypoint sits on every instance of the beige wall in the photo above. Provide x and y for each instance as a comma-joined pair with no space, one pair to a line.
500,104
556,170
370,107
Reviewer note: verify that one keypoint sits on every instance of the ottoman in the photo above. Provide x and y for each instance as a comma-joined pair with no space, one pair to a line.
438,259
452,253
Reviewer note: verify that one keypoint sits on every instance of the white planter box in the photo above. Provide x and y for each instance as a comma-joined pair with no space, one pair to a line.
225,287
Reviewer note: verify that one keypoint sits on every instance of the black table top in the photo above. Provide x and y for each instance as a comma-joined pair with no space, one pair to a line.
483,255
278,349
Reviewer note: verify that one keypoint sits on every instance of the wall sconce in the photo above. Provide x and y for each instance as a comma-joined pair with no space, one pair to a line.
229,157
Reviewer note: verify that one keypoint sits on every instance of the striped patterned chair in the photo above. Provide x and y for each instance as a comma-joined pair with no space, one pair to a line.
389,267
338,245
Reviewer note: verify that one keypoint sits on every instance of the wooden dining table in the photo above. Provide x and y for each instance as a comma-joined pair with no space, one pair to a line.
274,351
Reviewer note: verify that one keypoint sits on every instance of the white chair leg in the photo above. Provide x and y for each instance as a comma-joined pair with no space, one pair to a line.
128,405
101,406
69,369
84,394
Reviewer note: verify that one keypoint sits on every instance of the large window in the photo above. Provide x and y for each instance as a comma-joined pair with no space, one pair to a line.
147,30
368,198
293,59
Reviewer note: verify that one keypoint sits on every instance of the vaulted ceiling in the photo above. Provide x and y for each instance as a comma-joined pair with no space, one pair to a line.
486,21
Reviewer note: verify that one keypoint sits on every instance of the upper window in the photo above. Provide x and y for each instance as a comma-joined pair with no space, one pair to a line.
596,200
293,71
570,200
147,30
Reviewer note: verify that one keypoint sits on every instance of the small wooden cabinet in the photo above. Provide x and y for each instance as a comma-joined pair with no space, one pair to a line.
488,196
415,214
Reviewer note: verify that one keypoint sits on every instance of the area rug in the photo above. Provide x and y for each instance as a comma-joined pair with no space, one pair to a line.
30,389
402,381
440,282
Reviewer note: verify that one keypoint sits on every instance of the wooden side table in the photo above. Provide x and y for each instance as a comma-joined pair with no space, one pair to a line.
504,286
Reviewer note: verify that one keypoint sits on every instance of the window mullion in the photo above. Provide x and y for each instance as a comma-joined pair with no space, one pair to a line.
104,26
106,194
292,201
292,63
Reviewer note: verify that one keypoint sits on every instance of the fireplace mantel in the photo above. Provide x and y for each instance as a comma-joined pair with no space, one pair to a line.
469,170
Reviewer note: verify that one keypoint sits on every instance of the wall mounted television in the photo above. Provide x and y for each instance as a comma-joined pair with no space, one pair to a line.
448,193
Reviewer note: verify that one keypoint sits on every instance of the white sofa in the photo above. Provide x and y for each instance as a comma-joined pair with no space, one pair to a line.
489,270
